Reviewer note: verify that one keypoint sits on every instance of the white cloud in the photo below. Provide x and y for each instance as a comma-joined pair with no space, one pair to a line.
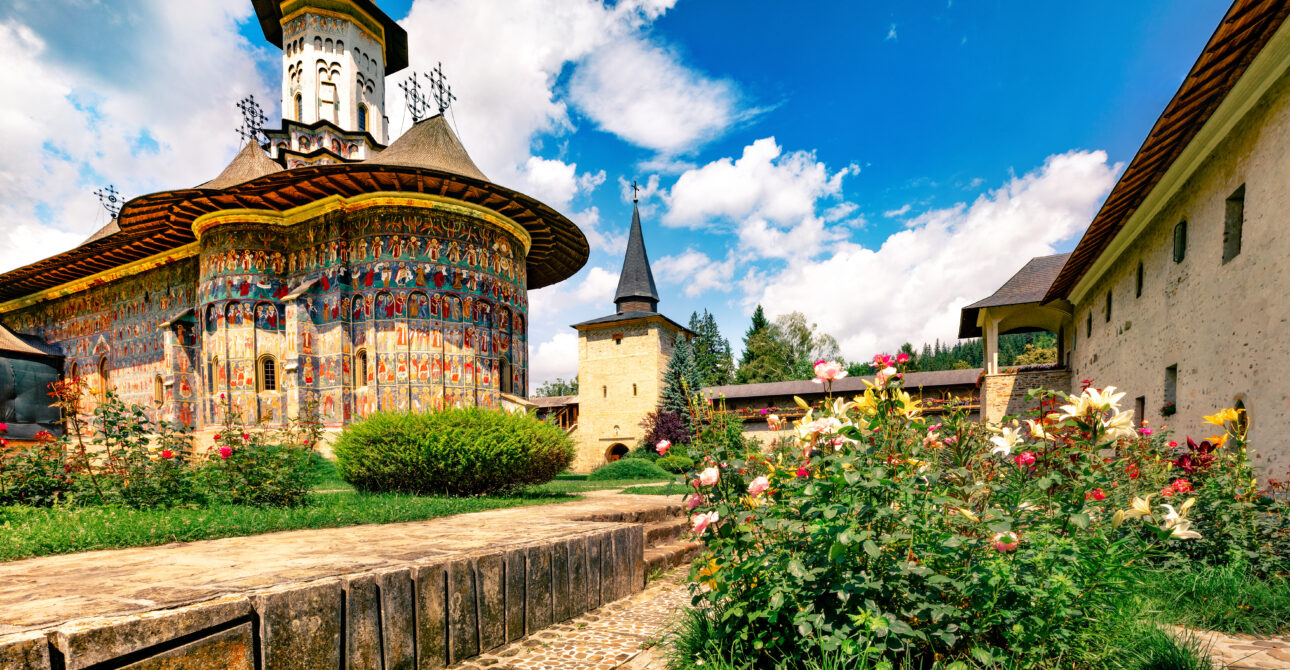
891,33
556,357
596,287
145,114
893,213
696,271
641,93
913,286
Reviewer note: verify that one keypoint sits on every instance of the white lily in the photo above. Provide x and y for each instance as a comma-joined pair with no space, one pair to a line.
1106,399
1005,440
1120,426
1037,430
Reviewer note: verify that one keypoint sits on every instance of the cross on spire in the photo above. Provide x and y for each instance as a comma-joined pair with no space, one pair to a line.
110,198
635,189
253,120
414,98
440,89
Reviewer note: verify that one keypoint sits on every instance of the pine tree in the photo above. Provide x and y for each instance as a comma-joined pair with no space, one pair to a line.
759,324
680,381
711,351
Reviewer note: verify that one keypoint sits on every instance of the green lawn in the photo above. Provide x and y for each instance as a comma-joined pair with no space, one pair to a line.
561,485
26,532
668,489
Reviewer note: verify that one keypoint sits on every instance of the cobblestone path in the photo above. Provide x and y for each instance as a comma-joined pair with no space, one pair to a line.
602,639
1245,652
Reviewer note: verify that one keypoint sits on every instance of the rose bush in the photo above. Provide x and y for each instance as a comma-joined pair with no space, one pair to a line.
883,536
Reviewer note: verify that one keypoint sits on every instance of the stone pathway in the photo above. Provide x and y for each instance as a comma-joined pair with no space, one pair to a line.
1244,652
43,592
602,639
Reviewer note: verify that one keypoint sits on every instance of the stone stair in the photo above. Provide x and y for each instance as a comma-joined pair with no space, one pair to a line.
668,540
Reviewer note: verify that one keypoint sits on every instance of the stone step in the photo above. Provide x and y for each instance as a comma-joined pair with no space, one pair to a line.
662,532
670,555
650,515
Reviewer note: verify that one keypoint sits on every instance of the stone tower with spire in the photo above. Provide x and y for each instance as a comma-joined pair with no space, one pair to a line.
621,361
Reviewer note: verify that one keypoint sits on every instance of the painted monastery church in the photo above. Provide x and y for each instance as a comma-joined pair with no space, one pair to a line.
328,266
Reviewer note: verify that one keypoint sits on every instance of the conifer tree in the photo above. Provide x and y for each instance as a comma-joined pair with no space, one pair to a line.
759,324
680,381
711,351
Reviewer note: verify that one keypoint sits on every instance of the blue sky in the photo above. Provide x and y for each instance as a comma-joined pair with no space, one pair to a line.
875,165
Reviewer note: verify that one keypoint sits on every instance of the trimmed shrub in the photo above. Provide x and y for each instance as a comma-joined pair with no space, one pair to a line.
675,464
643,452
461,452
629,468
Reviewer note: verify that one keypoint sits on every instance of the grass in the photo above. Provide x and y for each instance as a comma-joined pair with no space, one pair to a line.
27,532
668,489
1227,599
1128,644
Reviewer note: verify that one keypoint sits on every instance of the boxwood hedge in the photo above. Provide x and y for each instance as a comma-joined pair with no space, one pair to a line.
460,452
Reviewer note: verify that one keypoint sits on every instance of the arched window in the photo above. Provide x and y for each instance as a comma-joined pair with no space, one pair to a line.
330,46
1180,241
158,391
214,372
104,378
266,373
300,107
1242,416
340,47
362,117
75,371
318,44
360,368
504,371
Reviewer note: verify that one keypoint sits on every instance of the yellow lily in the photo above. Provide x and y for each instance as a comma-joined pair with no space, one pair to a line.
1140,507
1221,418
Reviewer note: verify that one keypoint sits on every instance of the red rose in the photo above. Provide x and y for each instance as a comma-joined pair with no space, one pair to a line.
225,452
166,453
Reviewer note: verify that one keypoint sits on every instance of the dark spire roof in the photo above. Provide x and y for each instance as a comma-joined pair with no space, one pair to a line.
636,282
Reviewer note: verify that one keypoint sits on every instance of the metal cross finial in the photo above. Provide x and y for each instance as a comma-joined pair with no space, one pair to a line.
635,189
111,199
253,120
414,98
440,89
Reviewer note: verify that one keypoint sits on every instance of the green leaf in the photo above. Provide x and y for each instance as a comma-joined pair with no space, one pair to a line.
837,551
1080,520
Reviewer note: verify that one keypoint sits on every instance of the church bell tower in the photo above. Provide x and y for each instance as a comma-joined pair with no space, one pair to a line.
335,57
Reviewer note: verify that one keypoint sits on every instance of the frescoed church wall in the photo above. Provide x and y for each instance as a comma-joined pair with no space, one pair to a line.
128,323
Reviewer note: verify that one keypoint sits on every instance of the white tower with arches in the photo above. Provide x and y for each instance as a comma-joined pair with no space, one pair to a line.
335,57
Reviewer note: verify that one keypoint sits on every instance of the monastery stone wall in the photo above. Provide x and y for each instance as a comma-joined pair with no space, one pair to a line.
1005,394
619,382
1224,325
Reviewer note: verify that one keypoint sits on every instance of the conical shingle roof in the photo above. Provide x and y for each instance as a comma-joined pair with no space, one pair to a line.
636,281
249,163
430,144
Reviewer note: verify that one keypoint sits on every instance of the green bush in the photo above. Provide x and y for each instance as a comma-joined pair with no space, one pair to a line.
629,468
461,452
676,464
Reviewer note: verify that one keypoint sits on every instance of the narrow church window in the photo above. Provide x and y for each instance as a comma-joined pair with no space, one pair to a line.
103,378
505,374
604,391
1108,306
633,389
268,373
1235,220
300,107
1180,241
1242,417
318,44
1138,282
360,368
362,118
214,371
1139,409
158,391
1171,384
1088,326
340,47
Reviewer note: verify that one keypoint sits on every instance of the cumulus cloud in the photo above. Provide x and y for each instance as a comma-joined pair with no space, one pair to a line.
662,105
768,196
893,213
912,287
556,357
89,101
696,271
592,286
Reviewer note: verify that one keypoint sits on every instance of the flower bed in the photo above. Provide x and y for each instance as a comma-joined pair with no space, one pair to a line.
882,537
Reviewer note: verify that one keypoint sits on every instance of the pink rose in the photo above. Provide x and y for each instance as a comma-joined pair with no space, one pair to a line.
246,436
803,472
1145,432
1005,542
758,486
225,452
693,501
1025,458
902,358
934,427
702,521
662,447
1182,486
709,476
828,371
4,427
1167,492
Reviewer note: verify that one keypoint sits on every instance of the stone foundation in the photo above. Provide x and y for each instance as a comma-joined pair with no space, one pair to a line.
1005,394
421,616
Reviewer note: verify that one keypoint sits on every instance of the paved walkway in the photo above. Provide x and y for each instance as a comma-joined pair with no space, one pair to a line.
605,638
42,592
1245,652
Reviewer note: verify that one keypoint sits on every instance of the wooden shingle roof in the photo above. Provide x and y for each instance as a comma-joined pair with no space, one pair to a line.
1029,285
1242,34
